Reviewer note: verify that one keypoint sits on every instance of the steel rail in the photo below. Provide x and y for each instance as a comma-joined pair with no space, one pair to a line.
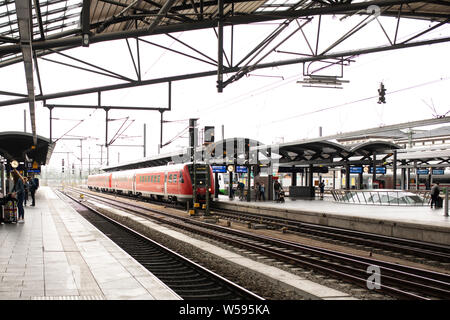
417,248
417,282
196,286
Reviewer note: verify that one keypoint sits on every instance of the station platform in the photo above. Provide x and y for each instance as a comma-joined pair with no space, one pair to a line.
58,255
416,223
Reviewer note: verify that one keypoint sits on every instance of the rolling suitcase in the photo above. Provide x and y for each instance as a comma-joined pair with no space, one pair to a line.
10,212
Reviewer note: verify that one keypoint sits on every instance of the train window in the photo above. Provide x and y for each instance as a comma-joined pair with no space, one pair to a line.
158,178
175,178
152,178
181,177
170,178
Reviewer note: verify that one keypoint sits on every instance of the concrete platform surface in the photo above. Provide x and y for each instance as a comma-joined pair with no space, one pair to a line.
410,222
57,254
420,215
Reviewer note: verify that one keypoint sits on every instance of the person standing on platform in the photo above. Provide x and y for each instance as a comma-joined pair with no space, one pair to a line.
262,188
321,188
34,185
20,194
435,194
276,188
26,186
258,191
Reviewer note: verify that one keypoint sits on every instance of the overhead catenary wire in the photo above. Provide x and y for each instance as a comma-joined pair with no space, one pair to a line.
356,101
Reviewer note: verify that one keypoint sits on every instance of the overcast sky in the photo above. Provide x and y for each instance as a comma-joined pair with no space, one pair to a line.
269,105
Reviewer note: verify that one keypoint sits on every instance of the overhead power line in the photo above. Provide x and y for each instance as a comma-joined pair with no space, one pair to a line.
356,101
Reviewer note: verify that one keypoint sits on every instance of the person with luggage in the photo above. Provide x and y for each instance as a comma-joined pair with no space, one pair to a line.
435,196
4,200
20,192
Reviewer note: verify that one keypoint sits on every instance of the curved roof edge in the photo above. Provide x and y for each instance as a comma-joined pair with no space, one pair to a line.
19,145
375,144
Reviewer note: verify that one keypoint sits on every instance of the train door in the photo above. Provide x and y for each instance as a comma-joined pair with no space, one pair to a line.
133,184
165,185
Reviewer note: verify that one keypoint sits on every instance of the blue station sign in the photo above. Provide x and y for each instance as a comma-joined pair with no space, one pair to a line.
379,170
437,171
356,169
241,169
219,169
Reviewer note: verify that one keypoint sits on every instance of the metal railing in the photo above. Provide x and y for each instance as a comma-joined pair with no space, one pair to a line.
383,197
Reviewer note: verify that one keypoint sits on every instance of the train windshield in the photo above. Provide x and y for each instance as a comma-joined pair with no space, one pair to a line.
201,170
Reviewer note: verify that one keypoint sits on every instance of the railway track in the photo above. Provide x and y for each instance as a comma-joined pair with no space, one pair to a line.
398,280
188,279
420,249
434,254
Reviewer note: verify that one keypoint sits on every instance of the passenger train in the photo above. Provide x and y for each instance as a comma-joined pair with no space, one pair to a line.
171,182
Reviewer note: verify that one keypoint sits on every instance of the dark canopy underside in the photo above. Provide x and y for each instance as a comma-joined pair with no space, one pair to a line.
19,146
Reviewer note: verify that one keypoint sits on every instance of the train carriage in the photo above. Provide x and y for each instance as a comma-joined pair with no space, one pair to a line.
100,182
123,182
172,182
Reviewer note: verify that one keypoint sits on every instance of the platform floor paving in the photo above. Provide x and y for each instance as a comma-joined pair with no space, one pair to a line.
423,215
57,254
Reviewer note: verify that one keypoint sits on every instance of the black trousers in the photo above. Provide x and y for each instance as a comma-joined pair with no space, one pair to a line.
434,200
20,205
32,196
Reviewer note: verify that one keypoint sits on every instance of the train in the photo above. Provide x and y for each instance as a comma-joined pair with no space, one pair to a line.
172,182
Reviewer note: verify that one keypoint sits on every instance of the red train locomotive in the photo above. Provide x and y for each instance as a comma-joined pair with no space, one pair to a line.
171,182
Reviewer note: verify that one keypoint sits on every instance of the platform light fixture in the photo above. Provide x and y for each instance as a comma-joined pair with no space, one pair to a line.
316,81
14,164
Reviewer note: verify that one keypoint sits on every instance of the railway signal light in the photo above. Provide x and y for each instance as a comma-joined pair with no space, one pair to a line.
73,168
381,94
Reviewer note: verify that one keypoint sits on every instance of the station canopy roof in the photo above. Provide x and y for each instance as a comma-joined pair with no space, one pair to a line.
324,152
19,146
296,153
111,19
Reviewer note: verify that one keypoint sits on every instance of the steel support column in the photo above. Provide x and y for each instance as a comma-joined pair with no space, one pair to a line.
24,18
161,131
394,170
145,140
310,175
86,23
374,167
220,46
347,176
294,179
403,179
